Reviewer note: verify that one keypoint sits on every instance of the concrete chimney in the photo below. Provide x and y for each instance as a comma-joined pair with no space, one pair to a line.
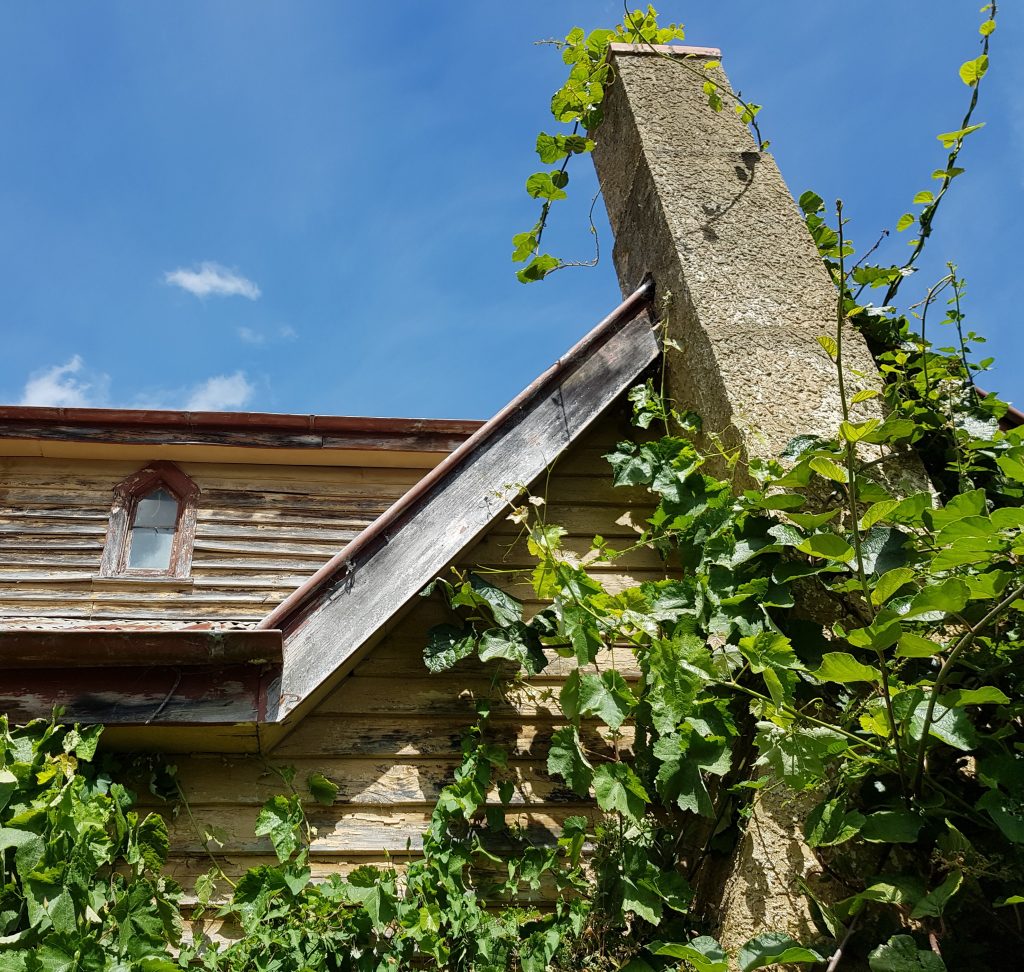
693,201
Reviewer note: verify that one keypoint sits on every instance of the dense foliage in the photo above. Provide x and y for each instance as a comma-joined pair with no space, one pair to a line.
80,884
834,626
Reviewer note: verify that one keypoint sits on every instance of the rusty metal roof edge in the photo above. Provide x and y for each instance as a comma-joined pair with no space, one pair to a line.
296,604
58,417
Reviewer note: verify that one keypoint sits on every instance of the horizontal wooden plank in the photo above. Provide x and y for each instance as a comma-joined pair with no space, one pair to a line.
414,735
211,781
438,695
350,831
401,655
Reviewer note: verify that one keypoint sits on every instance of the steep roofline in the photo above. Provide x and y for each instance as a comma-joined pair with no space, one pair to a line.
303,599
332,620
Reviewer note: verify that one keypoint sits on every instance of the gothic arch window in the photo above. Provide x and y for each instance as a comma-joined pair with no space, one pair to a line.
152,524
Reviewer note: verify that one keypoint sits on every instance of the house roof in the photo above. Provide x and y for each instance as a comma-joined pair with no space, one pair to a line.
313,439
334,618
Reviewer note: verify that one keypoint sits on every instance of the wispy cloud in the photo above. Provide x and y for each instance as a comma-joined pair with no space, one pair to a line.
212,279
248,335
66,385
220,393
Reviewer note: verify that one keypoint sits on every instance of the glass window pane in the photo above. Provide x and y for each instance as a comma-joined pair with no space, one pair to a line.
152,539
151,548
157,509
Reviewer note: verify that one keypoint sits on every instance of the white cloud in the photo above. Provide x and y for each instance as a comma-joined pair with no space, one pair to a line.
220,393
248,335
212,278
65,386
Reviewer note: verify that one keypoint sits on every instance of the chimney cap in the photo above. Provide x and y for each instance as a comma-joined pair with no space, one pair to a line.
681,50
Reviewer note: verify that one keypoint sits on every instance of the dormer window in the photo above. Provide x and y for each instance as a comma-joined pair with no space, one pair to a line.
152,524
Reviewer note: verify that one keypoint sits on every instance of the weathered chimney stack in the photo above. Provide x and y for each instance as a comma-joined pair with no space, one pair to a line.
693,201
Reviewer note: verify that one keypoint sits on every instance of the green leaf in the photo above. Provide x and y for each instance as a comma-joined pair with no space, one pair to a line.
971,72
154,843
829,345
542,185
618,788
924,198
29,849
517,643
367,886
830,469
839,666
949,139
878,511
901,954
280,820
798,756
606,696
933,904
952,726
828,546
703,953
914,646
538,268
829,823
987,27
323,790
447,644
855,431
566,759
905,221
774,948
987,695
811,202
890,582
891,827
642,900
949,597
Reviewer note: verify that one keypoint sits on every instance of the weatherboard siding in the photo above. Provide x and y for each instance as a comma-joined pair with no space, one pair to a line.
261,531
389,733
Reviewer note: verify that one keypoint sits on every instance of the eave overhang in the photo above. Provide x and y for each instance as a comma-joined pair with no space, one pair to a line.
139,678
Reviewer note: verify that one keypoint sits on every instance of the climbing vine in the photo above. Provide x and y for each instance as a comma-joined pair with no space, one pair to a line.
842,626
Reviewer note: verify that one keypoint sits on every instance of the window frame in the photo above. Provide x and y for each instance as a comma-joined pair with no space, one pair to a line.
127,495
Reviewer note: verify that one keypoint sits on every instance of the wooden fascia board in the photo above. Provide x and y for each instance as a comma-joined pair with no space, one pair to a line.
91,648
373,588
138,696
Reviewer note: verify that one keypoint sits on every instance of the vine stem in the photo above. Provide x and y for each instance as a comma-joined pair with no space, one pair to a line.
797,714
928,215
852,492
965,642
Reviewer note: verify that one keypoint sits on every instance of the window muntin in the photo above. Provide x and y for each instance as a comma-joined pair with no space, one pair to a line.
154,524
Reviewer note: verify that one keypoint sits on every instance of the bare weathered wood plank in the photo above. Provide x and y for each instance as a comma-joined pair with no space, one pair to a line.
212,781
352,831
526,736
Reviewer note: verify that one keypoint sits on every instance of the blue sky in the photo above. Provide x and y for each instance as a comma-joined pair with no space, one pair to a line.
307,206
